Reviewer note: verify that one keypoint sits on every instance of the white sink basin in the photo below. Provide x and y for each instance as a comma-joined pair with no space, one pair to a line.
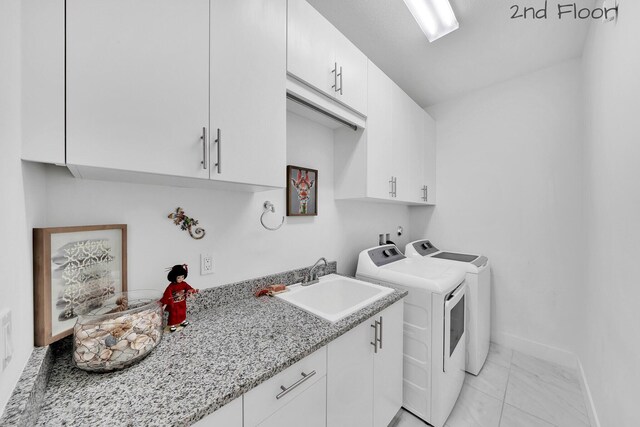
334,297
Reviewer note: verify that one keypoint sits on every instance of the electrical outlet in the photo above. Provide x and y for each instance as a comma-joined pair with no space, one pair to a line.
206,264
6,342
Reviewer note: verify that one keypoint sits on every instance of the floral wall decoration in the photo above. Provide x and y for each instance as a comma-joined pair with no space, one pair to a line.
187,223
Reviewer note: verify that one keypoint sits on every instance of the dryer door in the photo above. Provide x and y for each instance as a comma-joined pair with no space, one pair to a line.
454,329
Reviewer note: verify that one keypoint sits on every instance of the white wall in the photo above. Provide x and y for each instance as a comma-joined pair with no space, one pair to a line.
241,247
509,186
21,199
610,351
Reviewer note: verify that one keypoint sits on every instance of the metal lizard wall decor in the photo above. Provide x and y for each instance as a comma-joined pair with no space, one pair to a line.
187,224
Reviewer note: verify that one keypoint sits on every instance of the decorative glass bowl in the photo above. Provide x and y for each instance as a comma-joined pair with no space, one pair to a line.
116,331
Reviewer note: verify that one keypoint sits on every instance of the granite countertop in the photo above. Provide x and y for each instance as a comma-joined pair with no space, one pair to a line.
226,351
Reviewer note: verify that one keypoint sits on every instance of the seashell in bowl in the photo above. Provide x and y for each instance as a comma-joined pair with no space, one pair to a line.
140,342
106,340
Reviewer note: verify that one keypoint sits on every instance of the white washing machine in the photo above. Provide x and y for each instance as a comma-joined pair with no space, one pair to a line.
478,281
434,328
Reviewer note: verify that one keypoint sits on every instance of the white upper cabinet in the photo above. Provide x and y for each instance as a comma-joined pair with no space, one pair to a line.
248,78
393,158
43,80
138,85
188,93
418,142
429,169
402,140
310,47
379,134
351,74
319,55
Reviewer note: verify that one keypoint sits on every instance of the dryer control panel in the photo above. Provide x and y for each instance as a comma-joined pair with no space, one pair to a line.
424,247
384,255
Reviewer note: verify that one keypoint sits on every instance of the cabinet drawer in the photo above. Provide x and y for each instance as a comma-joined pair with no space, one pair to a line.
261,402
230,415
309,409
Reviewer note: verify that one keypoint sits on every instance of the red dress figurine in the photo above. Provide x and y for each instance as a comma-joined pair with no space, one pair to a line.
175,296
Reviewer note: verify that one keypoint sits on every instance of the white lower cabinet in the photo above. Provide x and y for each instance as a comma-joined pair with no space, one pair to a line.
354,381
388,365
364,372
230,415
294,397
309,409
350,378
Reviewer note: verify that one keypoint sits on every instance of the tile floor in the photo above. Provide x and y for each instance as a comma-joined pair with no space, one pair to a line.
515,390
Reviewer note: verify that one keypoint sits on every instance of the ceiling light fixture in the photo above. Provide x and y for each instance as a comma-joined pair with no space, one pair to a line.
435,17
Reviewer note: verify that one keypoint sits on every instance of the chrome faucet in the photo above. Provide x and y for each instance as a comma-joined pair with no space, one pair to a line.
313,273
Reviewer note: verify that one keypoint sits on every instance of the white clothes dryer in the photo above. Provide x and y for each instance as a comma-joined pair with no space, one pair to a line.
478,279
434,328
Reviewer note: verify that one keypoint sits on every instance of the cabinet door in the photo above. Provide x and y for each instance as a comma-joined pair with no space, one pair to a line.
350,378
401,118
387,366
43,81
230,415
430,159
248,104
417,143
378,133
310,46
308,409
138,85
352,81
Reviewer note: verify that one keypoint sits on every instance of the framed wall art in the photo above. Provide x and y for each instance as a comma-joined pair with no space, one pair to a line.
71,266
302,191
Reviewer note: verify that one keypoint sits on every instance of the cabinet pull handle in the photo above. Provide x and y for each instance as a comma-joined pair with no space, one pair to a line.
380,340
374,343
286,390
426,193
341,80
204,148
335,77
219,142
395,186
391,187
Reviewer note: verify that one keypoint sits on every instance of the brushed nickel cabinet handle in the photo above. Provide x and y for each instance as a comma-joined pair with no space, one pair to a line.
374,343
335,77
286,390
219,142
380,339
204,148
391,187
340,80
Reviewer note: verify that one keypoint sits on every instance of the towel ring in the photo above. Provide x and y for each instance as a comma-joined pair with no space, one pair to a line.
268,207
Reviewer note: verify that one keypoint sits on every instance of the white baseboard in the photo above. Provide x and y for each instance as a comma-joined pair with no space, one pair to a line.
535,349
554,355
586,392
